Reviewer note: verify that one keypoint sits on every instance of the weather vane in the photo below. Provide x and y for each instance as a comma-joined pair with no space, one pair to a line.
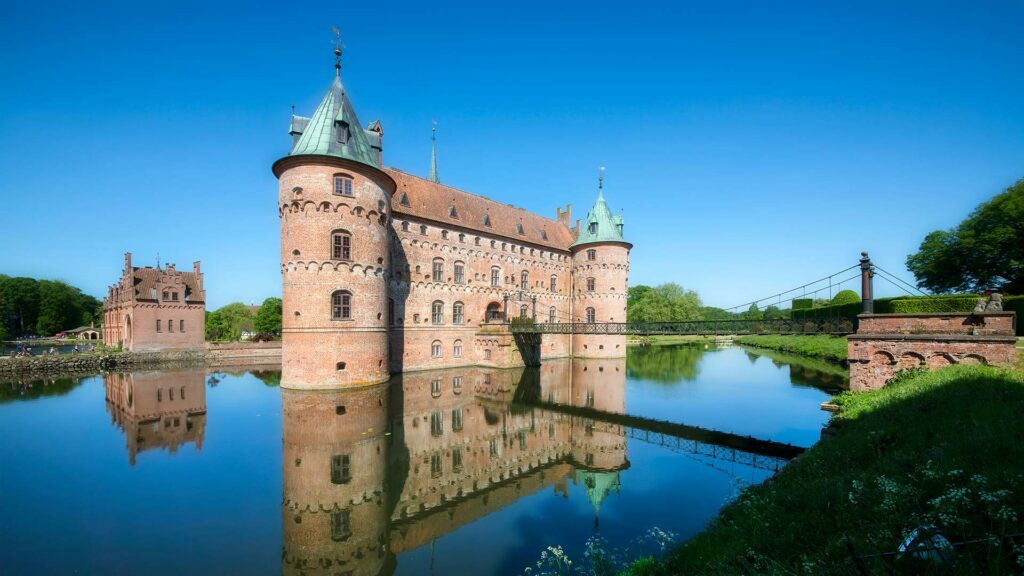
337,49
600,178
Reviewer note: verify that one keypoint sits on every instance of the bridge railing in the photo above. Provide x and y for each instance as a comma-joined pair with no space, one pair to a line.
834,326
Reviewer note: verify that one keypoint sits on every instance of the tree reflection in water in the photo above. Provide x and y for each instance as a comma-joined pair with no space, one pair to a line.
666,364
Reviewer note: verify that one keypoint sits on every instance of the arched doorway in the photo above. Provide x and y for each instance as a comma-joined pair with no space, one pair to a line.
493,312
126,344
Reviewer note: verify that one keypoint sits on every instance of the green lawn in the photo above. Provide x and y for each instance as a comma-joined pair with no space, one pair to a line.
941,448
831,348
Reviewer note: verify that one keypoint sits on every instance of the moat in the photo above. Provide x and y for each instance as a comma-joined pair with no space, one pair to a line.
458,471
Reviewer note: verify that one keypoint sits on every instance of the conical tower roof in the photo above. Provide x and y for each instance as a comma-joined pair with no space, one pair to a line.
601,225
598,486
324,133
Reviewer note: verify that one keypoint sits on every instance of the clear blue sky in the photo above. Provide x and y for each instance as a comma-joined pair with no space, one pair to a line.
751,145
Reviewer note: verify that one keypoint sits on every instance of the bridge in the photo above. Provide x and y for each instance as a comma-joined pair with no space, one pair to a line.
833,326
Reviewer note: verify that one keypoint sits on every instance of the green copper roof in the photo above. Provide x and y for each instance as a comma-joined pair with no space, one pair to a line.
320,135
601,225
598,486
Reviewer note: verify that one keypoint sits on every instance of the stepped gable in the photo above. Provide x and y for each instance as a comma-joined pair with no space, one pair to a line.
145,281
433,201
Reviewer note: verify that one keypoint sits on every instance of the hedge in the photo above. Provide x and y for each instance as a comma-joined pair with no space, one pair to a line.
803,303
1016,304
897,305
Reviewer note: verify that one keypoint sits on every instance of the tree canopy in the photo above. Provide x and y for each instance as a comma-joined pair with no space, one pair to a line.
845,297
44,307
667,302
984,251
268,317
228,322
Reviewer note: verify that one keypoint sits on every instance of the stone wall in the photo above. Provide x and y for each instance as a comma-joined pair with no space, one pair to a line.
232,353
96,362
888,343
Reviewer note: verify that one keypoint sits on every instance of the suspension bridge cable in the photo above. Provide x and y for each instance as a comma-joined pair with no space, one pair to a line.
884,271
804,286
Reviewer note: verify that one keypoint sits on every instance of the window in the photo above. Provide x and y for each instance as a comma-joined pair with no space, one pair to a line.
487,354
341,472
343,132
591,254
492,244
341,245
444,234
436,423
159,394
404,199
495,276
341,525
554,283
435,349
456,419
405,226
487,220
182,393
590,399
341,305
343,185
593,227
174,296
435,388
457,459
523,311
457,349
551,315
423,229
391,311
437,312
438,270
590,284
457,383
519,229
591,316
458,316
524,280
453,213
170,325
460,272
181,325
493,312
380,206
435,465
476,241
522,439
462,238
158,325
494,447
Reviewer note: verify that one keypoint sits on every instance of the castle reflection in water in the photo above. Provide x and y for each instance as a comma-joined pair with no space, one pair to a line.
374,472
371,473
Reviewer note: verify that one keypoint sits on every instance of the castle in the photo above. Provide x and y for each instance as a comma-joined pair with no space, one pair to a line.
153,309
385,272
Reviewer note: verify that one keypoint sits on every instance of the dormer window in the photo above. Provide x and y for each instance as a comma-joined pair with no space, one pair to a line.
544,234
343,185
452,213
487,220
404,200
619,226
519,229
343,132
593,227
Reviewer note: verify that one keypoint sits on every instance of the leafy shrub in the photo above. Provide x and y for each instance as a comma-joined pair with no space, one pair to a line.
845,297
803,303
934,304
521,321
1016,304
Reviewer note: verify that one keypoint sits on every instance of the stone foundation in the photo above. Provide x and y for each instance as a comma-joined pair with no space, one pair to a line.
888,343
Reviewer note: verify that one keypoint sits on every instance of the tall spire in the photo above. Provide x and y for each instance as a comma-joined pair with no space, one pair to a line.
337,51
433,154
600,183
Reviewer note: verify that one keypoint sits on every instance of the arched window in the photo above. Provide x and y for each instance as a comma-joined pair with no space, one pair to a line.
495,276
341,469
591,316
435,349
462,237
444,234
590,284
437,312
554,283
493,313
391,311
341,305
523,311
457,349
591,254
405,226
551,315
438,270
524,280
460,272
341,245
458,316
343,185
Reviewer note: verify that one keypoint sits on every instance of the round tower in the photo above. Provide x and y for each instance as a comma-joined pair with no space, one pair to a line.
334,204
600,278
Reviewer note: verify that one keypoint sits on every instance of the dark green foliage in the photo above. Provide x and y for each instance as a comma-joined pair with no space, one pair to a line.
44,307
521,321
832,348
802,303
1016,304
933,304
268,317
31,389
845,297
753,313
668,302
939,447
664,364
985,251
712,313
228,322
772,312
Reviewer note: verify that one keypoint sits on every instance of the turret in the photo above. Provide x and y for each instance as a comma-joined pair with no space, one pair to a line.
333,201
600,260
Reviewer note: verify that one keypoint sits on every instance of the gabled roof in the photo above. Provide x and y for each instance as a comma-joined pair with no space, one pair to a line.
608,229
434,201
319,135
145,281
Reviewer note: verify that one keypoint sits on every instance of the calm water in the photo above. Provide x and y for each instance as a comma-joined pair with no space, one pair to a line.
467,471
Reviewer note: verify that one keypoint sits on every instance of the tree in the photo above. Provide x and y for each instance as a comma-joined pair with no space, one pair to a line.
19,304
753,313
228,322
845,297
984,251
268,317
712,313
772,312
668,302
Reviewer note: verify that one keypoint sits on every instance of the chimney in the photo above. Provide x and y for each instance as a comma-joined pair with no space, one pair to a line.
564,217
127,263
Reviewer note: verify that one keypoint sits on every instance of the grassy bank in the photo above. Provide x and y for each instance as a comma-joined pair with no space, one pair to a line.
940,448
663,340
831,348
